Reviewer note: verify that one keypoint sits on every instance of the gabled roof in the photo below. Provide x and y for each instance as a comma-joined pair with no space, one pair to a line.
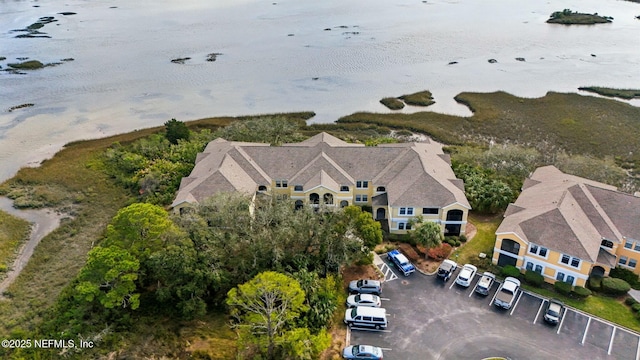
571,214
414,174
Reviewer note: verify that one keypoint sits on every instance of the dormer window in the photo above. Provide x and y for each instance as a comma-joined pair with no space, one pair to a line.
381,189
262,188
298,188
344,188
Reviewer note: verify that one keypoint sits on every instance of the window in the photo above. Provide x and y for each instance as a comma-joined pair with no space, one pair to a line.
628,244
409,211
408,226
403,211
281,183
575,262
400,226
607,243
282,197
570,279
362,198
539,269
344,188
637,246
262,188
622,260
538,250
429,211
298,188
632,263
565,259
381,189
560,276
529,266
362,184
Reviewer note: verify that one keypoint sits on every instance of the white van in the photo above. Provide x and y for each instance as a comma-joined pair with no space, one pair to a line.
363,316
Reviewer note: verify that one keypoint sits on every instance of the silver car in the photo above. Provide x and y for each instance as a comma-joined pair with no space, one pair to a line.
466,275
362,352
365,286
363,300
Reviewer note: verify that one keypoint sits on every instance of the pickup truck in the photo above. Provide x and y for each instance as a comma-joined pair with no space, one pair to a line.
485,282
402,263
507,293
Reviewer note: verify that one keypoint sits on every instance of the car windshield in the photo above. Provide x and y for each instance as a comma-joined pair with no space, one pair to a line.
357,298
463,278
360,283
354,312
553,313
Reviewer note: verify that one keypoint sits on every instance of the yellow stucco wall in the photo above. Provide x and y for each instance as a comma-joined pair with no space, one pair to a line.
629,254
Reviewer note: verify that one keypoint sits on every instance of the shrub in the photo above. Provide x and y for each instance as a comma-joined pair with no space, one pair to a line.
627,275
635,307
457,243
630,301
510,270
533,278
440,252
562,287
581,292
595,283
463,238
365,259
614,286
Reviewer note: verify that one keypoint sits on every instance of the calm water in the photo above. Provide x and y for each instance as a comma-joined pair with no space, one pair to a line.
278,58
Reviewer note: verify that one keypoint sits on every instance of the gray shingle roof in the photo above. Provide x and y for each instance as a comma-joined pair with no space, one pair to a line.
570,214
414,174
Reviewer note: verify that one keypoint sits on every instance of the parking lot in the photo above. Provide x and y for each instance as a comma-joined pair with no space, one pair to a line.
429,319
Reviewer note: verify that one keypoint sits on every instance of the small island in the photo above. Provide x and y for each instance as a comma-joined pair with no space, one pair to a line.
421,98
568,17
626,94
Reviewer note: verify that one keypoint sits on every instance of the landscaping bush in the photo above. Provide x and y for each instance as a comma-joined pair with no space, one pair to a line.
562,287
463,238
635,307
626,275
595,283
365,260
614,286
510,270
440,252
533,278
630,301
581,292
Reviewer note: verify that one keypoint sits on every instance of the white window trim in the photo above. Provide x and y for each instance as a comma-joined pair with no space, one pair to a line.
565,270
569,264
362,184
537,253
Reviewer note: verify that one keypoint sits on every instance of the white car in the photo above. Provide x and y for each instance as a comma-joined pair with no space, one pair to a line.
466,275
363,300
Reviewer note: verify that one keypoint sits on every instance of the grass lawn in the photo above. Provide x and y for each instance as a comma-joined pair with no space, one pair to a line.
13,233
482,242
605,307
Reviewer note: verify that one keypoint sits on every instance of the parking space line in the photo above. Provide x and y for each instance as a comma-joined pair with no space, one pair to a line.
367,329
539,309
638,350
452,283
386,349
613,334
562,321
474,289
516,304
385,299
586,330
493,298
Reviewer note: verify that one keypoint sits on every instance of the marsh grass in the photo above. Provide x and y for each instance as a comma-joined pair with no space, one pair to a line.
13,233
27,65
611,92
557,122
392,103
422,98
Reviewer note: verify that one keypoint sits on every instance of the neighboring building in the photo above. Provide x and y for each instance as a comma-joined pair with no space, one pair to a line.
567,228
398,181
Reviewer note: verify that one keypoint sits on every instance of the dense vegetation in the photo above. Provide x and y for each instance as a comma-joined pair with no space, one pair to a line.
13,232
568,17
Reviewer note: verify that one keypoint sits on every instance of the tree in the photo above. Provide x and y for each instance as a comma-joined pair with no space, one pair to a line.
176,130
274,130
109,277
300,344
363,226
141,229
266,305
426,233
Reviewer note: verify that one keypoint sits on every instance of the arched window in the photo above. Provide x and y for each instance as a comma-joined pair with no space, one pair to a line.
607,243
262,188
299,204
314,198
344,203
381,189
328,199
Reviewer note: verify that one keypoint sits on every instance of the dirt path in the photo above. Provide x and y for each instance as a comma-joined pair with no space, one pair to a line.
43,222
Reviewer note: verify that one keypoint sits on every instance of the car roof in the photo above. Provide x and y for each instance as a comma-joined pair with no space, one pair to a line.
402,258
367,296
372,282
470,267
369,349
